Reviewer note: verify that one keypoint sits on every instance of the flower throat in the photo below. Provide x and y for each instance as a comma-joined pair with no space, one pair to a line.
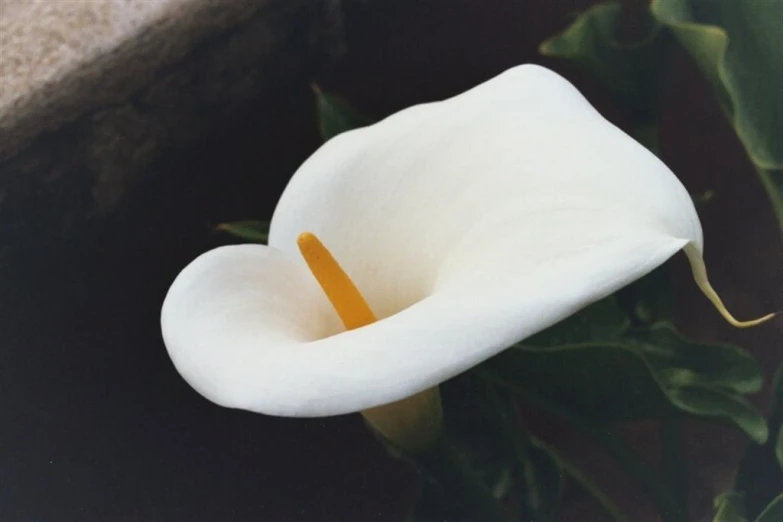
412,423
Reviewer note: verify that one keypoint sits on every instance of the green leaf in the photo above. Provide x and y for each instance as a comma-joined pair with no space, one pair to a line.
336,115
738,46
629,72
729,507
249,230
773,512
682,362
655,372
718,404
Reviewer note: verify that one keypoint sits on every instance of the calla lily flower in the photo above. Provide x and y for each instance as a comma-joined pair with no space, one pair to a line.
458,227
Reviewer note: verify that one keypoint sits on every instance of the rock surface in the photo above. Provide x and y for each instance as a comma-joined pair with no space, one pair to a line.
93,93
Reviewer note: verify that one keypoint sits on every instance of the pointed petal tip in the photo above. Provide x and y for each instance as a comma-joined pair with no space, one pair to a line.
700,277
744,324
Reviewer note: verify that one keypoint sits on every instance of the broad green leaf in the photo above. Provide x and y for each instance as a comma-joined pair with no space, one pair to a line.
730,507
249,230
336,115
629,72
681,362
738,46
655,372
773,512
718,404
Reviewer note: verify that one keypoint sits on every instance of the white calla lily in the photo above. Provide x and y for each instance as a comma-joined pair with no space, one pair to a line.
467,225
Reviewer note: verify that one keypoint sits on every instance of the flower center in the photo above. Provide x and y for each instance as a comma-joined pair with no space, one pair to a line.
346,299
412,423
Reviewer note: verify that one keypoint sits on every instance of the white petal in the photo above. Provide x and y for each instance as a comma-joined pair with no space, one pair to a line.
523,149
234,311
248,327
468,224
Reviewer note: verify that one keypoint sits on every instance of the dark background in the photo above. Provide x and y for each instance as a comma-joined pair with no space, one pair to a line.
98,426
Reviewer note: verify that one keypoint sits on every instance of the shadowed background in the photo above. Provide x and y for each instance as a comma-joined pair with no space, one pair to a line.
97,424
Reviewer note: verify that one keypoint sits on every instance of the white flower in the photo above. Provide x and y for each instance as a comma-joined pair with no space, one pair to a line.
467,225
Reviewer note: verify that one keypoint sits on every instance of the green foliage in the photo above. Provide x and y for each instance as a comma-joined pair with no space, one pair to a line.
486,437
566,468
619,359
610,362
249,230
773,512
606,371
730,507
335,115
615,361
484,429
451,489
544,481
649,299
779,447
601,321
760,474
629,72
738,46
